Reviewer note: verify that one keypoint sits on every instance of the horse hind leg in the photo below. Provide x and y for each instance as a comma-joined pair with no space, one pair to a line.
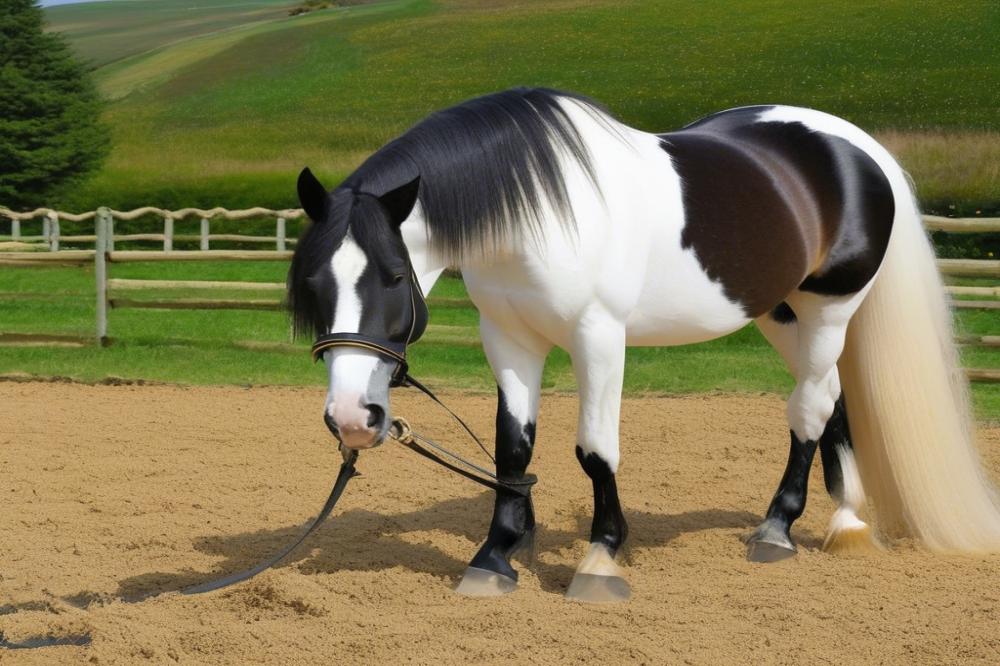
810,338
846,533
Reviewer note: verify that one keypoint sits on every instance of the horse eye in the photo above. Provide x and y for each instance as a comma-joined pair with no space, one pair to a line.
397,279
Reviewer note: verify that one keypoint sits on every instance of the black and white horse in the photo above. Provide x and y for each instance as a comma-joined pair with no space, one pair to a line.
574,230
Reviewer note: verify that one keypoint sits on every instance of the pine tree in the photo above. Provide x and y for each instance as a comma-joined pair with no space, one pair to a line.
50,131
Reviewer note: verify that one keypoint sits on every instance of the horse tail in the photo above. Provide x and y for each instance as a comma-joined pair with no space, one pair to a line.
908,399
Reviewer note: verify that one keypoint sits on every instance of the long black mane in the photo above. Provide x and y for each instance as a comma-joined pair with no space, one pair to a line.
487,169
487,166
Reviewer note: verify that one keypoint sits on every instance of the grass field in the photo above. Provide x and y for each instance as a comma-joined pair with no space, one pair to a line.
203,347
223,103
111,30
227,108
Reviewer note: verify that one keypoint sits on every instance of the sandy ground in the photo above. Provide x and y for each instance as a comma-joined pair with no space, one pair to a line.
114,497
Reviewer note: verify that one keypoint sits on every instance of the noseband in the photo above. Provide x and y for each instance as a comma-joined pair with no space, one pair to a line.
387,349
394,351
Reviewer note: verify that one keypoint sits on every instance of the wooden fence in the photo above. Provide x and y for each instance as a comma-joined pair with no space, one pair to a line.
22,250
51,237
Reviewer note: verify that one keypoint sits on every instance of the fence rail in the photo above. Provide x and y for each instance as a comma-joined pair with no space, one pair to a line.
51,235
963,225
17,249
126,284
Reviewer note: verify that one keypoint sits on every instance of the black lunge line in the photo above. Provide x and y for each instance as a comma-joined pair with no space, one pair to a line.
401,432
346,472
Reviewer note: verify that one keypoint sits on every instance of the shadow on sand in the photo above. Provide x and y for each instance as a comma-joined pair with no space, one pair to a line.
361,540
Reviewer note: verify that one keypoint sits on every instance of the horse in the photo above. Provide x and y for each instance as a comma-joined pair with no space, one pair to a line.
572,229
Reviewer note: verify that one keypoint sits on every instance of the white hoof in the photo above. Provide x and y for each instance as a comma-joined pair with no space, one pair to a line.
848,535
478,582
599,579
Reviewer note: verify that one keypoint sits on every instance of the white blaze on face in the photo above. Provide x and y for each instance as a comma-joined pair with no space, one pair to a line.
347,264
349,369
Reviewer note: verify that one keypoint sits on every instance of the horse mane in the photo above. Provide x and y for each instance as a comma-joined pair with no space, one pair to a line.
487,167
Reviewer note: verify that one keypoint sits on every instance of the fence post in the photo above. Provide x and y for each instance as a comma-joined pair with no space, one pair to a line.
102,224
15,228
168,233
280,233
109,244
204,233
46,235
54,230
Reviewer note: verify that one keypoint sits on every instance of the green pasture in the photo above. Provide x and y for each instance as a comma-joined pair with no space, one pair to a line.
226,108
104,32
222,103
207,347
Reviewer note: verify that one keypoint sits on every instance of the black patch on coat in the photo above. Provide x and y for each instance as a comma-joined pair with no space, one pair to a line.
790,499
740,227
389,309
836,434
609,526
766,202
783,313
513,514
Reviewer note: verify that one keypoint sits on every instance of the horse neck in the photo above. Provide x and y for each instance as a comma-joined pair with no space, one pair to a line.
427,265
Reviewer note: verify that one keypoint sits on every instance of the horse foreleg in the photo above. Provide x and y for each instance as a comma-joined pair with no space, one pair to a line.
517,365
599,364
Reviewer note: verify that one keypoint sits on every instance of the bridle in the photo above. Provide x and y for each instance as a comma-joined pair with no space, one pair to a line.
396,351
400,429
388,349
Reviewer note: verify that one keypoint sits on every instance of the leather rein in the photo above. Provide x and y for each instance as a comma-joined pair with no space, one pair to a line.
399,430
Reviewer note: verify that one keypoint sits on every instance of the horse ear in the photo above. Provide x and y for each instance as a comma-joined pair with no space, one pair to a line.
400,201
313,196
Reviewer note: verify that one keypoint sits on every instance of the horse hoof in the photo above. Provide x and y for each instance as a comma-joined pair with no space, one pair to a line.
770,542
766,552
596,589
599,579
852,541
478,582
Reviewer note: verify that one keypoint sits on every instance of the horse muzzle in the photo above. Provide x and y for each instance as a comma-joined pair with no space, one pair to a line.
357,427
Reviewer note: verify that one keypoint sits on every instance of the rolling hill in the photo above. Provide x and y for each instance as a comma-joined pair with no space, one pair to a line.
103,32
223,102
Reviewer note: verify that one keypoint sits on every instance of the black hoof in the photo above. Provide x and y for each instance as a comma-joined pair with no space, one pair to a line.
769,543
761,551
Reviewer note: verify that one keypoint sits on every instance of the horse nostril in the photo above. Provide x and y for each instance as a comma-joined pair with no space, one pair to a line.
376,416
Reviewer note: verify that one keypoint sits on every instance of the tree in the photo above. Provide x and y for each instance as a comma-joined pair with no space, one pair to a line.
50,132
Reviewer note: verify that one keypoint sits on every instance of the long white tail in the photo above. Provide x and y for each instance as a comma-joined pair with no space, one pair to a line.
908,402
